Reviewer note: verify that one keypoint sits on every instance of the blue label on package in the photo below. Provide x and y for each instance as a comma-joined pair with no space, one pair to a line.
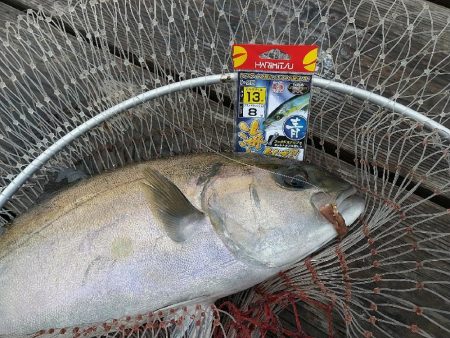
272,113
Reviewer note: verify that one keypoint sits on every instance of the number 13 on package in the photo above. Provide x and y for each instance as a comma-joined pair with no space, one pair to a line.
253,101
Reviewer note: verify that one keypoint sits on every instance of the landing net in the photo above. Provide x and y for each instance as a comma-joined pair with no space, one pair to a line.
66,61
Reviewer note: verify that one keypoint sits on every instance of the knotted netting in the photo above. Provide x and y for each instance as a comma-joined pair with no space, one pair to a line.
63,62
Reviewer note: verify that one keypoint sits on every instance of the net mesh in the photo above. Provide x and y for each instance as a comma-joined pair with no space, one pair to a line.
66,61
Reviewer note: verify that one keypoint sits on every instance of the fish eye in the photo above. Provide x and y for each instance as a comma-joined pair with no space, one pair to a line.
292,178
297,182
278,117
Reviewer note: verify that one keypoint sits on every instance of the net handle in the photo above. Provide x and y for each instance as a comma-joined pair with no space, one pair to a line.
51,151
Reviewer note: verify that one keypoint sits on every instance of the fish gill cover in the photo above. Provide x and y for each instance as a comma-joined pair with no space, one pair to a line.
66,61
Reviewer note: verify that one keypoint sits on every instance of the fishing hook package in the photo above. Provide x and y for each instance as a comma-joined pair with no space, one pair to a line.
274,85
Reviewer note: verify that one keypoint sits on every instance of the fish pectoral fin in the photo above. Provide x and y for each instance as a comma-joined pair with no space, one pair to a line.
177,215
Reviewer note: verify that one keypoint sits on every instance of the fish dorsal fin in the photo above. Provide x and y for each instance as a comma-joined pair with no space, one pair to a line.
177,215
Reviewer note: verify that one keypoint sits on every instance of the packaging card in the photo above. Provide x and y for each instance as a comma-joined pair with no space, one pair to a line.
273,99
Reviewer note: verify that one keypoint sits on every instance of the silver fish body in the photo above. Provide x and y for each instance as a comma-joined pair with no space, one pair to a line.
104,248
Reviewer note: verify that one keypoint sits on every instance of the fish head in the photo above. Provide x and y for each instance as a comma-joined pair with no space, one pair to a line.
274,212
274,118
298,104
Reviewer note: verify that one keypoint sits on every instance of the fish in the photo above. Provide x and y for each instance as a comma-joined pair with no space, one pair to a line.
178,231
294,105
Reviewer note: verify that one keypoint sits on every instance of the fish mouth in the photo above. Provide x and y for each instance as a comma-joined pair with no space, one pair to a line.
343,211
